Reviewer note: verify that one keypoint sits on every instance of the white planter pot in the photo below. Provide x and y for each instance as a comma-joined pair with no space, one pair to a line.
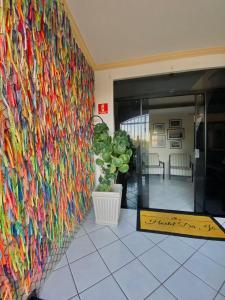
107,205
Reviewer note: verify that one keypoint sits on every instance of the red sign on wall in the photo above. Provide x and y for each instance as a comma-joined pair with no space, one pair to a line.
103,108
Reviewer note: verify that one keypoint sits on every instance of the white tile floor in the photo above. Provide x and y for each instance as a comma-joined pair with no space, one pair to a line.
118,263
176,193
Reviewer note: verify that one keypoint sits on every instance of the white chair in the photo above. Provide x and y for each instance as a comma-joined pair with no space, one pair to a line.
180,164
152,165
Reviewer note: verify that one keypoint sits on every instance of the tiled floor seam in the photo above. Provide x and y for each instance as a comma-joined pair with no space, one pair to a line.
91,286
126,235
218,292
221,288
208,256
60,267
196,250
70,262
213,288
156,243
161,285
110,273
190,245
103,226
72,276
71,298
136,257
182,265
216,262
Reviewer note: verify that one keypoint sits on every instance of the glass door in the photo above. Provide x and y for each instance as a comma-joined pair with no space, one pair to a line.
200,153
130,117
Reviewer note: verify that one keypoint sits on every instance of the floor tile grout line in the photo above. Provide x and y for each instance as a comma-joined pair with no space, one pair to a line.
135,230
182,266
170,292
136,257
81,257
161,285
93,251
218,292
179,237
108,270
59,268
145,251
102,226
211,258
125,234
104,245
121,237
120,286
71,298
141,262
173,257
156,243
213,288
221,287
91,286
72,275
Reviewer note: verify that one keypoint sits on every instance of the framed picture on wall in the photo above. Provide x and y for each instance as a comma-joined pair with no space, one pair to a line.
176,144
175,134
159,128
175,123
158,141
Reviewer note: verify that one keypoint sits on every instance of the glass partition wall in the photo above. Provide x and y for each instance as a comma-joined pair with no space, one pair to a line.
129,117
162,131
179,161
177,124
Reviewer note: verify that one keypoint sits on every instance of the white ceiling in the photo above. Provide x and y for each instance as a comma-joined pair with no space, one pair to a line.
117,30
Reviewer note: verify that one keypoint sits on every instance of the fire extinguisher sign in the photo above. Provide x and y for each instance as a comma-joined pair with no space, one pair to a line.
103,108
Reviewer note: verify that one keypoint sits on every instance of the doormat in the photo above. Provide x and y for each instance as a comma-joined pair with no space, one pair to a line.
179,223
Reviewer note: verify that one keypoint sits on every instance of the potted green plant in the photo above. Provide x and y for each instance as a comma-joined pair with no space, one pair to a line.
113,155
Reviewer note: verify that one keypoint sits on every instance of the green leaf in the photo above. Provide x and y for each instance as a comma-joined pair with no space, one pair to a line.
114,153
129,152
106,156
117,161
103,136
112,169
124,168
104,187
120,148
125,158
100,127
99,162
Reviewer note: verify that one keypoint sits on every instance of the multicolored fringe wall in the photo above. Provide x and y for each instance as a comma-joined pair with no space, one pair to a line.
46,103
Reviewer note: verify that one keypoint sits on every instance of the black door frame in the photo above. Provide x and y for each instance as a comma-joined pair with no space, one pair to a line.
195,94
200,171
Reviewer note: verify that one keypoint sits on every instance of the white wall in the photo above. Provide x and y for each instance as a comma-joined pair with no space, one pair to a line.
187,142
104,79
